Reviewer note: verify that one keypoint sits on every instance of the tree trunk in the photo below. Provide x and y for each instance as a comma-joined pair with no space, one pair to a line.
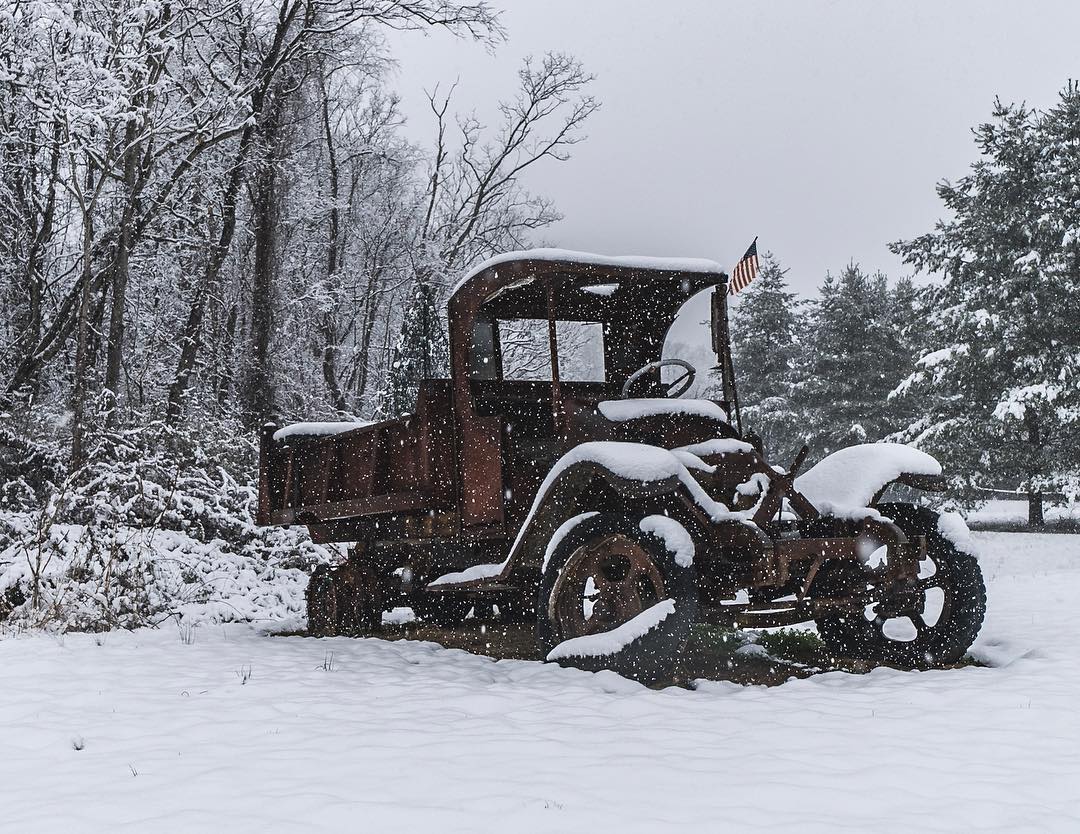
28,328
1034,469
367,327
258,391
1035,441
329,331
225,377
114,351
1035,509
191,338
192,334
82,347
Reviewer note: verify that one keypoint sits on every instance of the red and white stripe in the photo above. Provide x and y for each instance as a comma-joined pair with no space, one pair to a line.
745,270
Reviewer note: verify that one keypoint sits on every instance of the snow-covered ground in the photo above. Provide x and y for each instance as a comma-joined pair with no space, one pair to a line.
1016,512
226,729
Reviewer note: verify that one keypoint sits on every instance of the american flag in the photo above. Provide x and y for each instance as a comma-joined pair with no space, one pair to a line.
745,270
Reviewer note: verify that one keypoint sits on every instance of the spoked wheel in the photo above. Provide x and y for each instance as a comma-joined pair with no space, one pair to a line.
605,573
344,600
604,584
929,621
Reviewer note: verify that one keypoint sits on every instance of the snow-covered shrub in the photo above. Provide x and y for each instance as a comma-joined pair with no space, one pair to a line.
28,468
158,523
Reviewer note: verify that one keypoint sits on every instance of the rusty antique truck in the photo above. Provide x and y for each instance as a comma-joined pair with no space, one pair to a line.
558,475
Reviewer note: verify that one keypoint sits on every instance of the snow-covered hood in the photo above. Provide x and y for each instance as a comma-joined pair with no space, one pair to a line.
850,478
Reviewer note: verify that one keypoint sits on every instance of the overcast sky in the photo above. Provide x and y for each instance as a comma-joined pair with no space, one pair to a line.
822,127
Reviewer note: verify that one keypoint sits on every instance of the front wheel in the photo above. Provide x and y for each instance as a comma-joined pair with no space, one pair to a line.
930,622
616,596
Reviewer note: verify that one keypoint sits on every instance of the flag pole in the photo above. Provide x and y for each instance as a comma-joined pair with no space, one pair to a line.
734,388
745,271
722,348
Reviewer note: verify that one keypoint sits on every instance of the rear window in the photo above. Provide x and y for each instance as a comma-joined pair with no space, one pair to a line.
526,354
581,351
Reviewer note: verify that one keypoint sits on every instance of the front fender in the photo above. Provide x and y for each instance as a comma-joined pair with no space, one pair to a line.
600,486
603,476
857,476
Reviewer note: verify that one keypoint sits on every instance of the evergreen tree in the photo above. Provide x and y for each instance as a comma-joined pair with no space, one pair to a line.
857,356
907,310
421,353
999,378
765,328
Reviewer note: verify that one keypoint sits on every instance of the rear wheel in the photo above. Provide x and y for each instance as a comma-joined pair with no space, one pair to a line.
622,592
344,600
931,621
444,610
320,598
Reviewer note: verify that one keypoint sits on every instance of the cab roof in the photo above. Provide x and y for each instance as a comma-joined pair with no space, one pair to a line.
576,262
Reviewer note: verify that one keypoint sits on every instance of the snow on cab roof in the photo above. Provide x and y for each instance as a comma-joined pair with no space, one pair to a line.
318,429
702,265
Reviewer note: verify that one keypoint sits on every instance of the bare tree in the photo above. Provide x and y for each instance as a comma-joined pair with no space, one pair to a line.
299,25
202,203
476,203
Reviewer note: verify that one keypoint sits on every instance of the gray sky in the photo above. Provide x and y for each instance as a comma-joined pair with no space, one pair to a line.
822,127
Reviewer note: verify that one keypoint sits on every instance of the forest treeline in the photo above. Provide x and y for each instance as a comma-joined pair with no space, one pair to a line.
210,216
209,209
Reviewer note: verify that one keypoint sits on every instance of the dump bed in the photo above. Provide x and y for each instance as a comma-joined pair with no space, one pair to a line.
312,473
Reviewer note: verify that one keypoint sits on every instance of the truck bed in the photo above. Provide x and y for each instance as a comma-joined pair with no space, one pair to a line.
402,465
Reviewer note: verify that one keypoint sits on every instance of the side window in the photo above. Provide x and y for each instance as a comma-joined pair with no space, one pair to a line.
482,364
526,354
581,351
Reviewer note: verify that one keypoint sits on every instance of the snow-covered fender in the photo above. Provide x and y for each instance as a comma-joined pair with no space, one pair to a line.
609,476
645,476
600,474
858,475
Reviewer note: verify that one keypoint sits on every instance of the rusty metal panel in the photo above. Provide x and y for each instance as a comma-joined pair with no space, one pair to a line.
481,472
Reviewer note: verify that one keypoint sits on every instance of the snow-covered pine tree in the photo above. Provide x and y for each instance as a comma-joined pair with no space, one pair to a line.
907,309
1059,133
765,327
999,378
857,356
421,352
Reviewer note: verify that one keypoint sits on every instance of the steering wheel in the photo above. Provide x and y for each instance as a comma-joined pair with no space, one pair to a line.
670,390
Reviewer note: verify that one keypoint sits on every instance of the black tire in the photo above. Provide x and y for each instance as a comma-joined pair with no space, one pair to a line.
344,600
443,610
321,603
650,658
947,639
